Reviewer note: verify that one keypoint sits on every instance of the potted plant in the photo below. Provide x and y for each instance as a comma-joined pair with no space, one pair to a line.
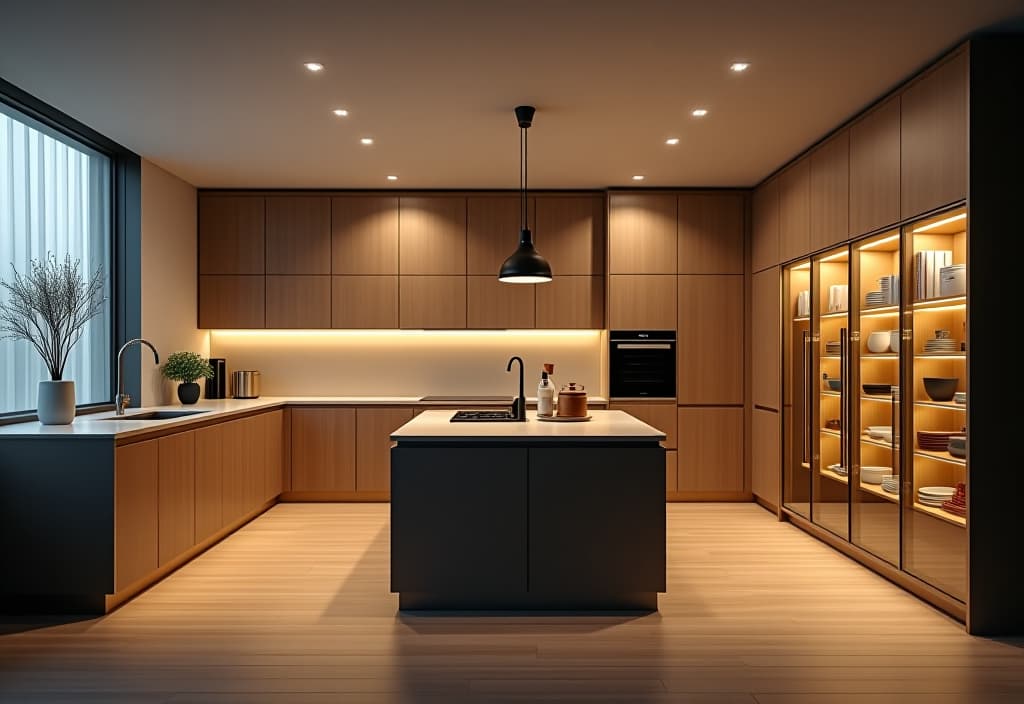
49,307
186,367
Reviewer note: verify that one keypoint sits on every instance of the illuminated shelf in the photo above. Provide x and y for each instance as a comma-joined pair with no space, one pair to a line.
877,490
945,303
932,355
837,314
831,356
876,397
940,514
833,476
801,319
879,311
879,355
833,433
867,440
942,404
940,456
830,393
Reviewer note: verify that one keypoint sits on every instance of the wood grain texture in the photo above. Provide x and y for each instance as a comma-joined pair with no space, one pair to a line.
830,192
254,463
570,233
373,446
710,366
432,302
764,210
364,235
933,138
642,234
136,490
295,607
671,477
231,235
232,302
656,414
766,456
176,495
492,231
569,302
323,449
233,471
209,489
298,302
432,235
875,169
711,449
642,302
273,446
493,304
364,302
766,338
795,210
711,233
298,235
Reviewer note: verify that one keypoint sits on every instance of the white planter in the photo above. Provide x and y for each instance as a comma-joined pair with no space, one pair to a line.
56,402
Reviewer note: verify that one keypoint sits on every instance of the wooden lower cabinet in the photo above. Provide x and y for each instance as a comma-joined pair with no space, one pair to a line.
323,454
671,473
765,456
136,527
711,451
177,494
273,444
657,414
209,478
373,446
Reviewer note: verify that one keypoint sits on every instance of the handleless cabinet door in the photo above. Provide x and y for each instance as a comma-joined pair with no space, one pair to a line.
493,304
795,210
231,235
323,449
656,414
298,302
136,528
232,302
766,339
493,224
273,445
765,222
711,233
364,235
298,235
642,234
642,302
830,192
569,233
569,302
711,449
432,235
373,446
432,302
233,482
710,348
177,494
875,169
766,456
209,488
364,302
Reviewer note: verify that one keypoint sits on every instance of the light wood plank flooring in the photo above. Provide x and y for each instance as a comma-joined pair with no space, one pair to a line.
295,608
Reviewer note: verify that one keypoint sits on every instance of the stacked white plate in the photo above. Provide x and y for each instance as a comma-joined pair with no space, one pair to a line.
941,346
832,347
960,397
890,286
935,495
879,432
877,298
838,469
874,475
891,484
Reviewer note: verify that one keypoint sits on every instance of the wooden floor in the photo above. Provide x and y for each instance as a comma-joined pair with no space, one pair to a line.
295,608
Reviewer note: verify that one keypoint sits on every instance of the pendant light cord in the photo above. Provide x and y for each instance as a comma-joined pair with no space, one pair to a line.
522,177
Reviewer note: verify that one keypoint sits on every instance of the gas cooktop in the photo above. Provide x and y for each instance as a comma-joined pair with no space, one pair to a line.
483,417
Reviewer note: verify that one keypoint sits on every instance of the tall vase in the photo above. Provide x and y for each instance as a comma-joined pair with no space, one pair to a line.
56,402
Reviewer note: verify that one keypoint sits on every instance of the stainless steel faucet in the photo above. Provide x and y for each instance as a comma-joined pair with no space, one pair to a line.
122,399
519,405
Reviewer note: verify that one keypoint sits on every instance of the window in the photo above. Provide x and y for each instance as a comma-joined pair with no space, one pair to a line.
55,198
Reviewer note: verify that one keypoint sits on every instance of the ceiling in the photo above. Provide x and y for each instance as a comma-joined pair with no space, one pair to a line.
215,92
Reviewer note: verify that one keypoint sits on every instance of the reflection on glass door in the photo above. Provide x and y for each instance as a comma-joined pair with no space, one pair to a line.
830,329
935,408
798,384
874,400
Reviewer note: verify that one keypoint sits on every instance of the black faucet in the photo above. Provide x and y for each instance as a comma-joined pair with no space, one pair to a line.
519,404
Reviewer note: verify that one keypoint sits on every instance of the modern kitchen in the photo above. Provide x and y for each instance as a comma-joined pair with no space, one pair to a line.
630,357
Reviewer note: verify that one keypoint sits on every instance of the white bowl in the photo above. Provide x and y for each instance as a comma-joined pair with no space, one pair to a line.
876,431
878,342
875,475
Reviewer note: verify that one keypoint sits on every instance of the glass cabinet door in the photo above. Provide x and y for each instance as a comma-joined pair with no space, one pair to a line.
799,385
874,356
830,329
934,408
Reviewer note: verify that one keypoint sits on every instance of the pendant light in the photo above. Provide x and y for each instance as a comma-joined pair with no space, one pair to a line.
525,266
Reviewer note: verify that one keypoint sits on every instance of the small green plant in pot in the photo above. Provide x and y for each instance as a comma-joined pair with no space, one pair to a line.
186,367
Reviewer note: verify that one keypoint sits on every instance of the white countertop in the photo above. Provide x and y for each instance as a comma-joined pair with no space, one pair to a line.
107,425
615,426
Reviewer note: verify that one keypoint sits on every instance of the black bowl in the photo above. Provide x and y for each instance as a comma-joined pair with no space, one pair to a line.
877,389
940,388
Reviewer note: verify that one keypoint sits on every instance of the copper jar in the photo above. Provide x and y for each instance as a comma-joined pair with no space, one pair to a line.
572,401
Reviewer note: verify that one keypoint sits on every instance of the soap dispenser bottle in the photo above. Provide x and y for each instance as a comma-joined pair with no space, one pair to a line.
545,397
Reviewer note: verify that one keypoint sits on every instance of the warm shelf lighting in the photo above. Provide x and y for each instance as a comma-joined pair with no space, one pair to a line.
392,178
940,223
878,243
340,112
313,66
699,112
805,265
638,177
949,304
739,66
366,140
833,257
672,141
882,314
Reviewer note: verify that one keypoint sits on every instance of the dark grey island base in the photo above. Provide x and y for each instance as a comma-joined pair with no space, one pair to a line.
543,519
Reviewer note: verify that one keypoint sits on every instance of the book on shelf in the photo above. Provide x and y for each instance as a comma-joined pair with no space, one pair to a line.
928,264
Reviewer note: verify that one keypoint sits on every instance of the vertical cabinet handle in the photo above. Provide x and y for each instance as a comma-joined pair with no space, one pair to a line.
808,390
844,396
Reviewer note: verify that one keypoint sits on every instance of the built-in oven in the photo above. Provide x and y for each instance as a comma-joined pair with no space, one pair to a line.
642,364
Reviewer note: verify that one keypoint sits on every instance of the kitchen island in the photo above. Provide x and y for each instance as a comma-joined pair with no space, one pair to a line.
531,515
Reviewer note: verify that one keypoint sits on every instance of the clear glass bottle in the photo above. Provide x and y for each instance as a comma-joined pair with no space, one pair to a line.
545,396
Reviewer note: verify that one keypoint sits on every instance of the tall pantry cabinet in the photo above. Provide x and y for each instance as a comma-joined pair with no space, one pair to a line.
877,414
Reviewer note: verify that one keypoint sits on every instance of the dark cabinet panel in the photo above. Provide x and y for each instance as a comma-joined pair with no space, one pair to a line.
570,233
298,235
298,302
364,235
231,235
875,169
232,302
711,233
432,235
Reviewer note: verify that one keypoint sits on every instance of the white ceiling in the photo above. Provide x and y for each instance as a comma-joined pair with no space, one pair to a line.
215,92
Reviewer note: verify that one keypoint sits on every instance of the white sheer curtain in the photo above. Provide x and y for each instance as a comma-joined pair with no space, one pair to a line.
54,199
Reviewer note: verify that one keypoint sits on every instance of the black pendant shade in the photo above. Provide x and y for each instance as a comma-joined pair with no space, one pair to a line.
525,265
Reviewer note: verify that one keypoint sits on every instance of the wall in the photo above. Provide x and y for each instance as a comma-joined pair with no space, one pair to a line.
410,362
168,277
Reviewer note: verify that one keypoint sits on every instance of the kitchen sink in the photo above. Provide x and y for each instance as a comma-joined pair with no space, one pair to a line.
155,415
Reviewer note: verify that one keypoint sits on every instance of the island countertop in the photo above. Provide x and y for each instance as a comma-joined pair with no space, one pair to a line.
603,427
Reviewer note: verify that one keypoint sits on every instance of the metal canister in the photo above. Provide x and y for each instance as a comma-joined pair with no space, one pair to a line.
245,383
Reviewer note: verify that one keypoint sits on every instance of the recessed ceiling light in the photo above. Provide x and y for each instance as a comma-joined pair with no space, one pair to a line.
392,178
672,140
739,66
699,112
638,177
340,112
313,66
366,140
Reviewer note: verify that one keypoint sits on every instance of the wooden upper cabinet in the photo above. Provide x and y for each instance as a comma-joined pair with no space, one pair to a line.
364,235
373,445
709,369
933,144
232,302
642,302
830,192
177,494
875,169
136,528
364,302
298,235
493,304
231,234
766,339
765,225
642,234
323,449
432,235
710,233
795,210
569,302
493,224
432,302
569,233
299,302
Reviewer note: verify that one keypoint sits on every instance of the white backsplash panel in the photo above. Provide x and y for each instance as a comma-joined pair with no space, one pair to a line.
411,362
